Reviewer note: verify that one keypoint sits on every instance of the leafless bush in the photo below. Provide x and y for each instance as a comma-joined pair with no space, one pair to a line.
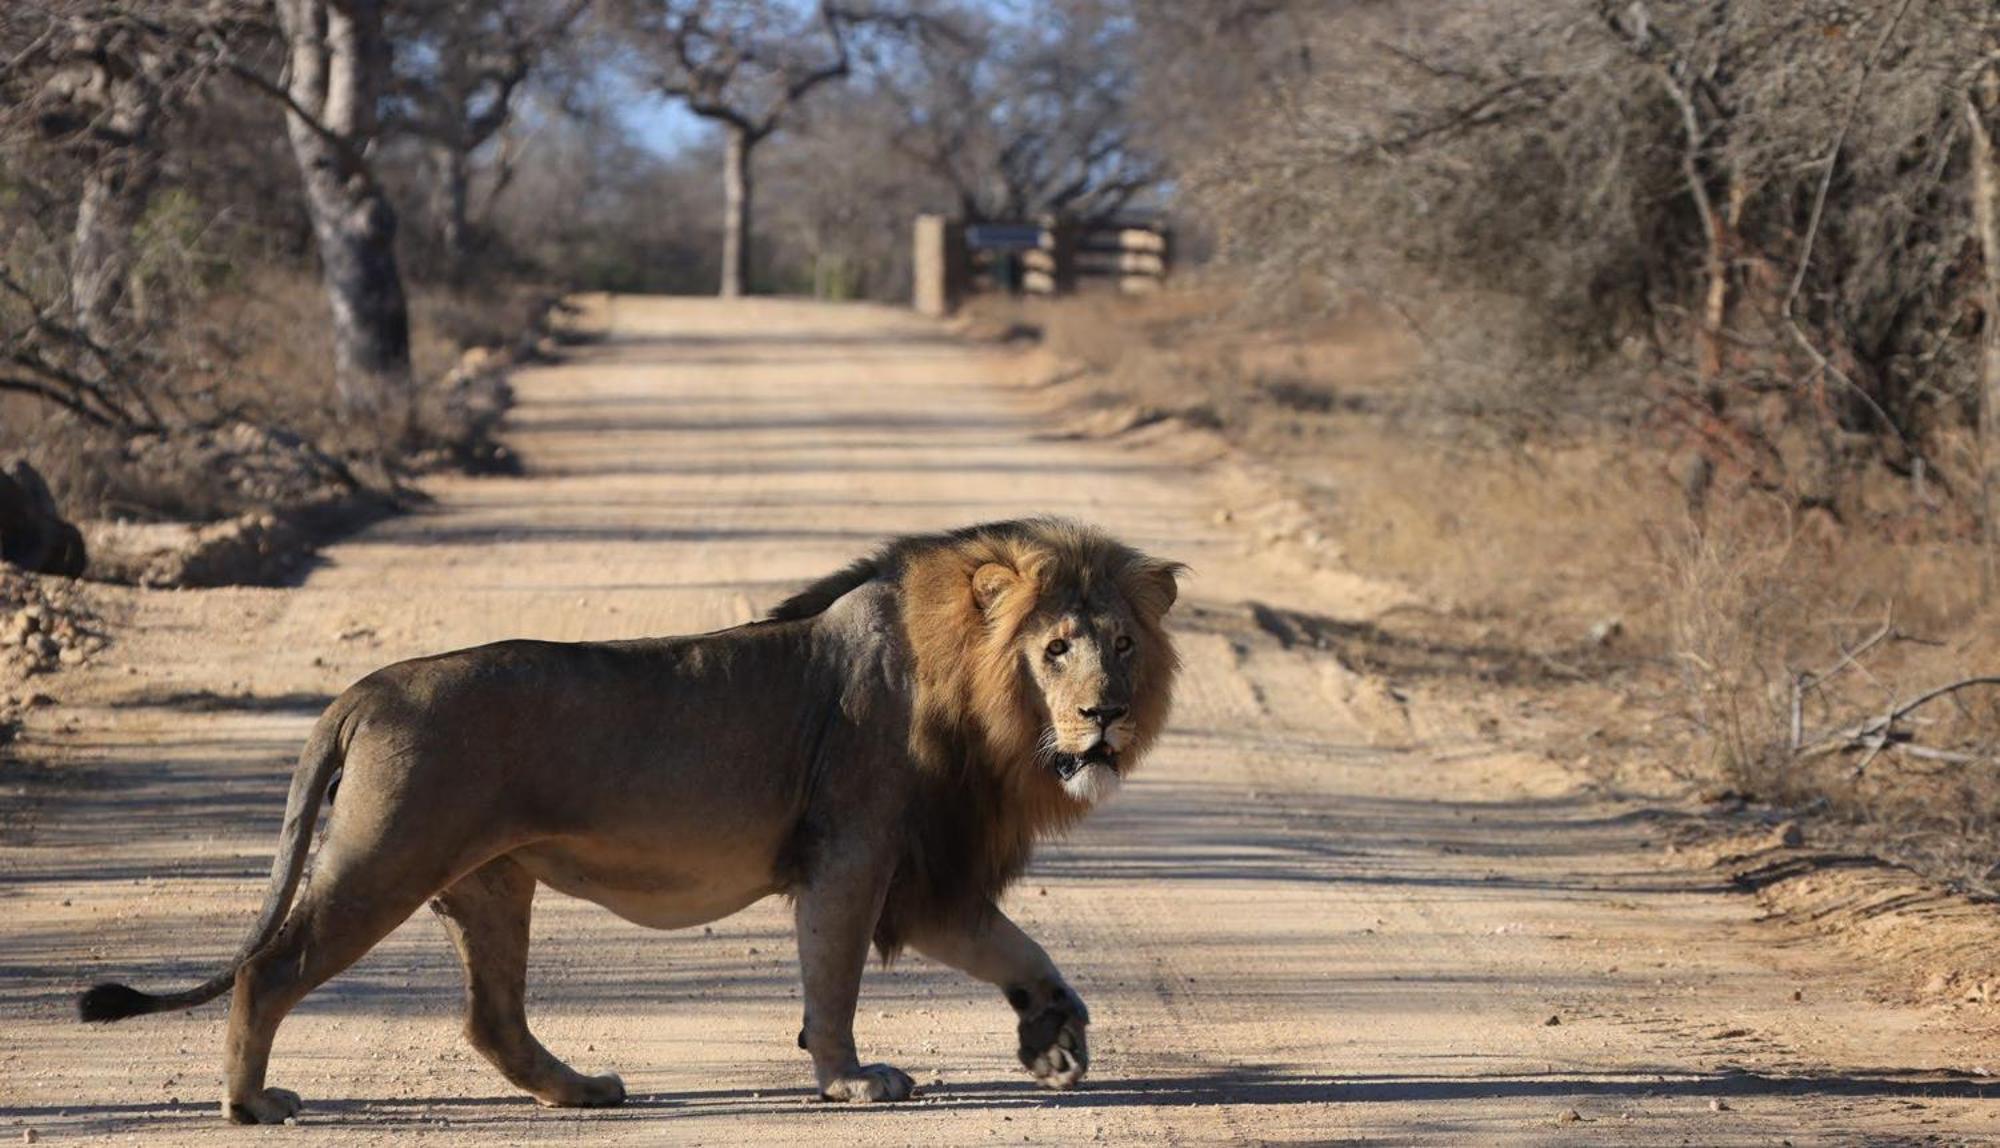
1641,185
1814,686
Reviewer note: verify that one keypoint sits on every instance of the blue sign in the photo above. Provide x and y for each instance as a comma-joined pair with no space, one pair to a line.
1003,236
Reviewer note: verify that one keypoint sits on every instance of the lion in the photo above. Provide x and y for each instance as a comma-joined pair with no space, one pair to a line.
885,749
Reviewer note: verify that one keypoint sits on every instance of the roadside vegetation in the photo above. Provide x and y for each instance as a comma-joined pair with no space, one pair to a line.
223,295
246,245
1659,341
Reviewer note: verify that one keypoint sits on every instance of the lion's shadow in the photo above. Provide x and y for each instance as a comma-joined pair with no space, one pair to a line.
1242,1087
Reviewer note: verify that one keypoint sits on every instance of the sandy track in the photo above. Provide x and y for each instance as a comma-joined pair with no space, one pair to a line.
1294,926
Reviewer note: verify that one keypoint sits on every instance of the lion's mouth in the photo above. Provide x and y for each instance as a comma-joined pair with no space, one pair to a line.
1068,765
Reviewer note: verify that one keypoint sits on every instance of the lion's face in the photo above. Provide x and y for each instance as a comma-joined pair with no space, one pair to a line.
1082,665
1048,640
1087,661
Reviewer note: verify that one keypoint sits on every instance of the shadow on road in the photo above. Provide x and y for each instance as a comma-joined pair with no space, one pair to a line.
1237,1088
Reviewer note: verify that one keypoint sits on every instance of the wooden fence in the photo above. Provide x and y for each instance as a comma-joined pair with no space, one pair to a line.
1048,257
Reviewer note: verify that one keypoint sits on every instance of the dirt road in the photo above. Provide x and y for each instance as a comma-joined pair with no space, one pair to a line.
1301,923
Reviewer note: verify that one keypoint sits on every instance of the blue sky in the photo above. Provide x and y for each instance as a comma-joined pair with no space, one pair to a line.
663,126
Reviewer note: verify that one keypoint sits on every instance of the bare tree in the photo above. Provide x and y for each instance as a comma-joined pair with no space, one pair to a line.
1202,69
991,112
115,75
336,65
1025,115
585,207
89,87
838,217
747,66
459,65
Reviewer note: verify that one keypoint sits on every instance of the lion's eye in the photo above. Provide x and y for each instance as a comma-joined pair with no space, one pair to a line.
1058,648
1123,644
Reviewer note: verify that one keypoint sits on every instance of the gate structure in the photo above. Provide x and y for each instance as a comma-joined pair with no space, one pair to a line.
1046,257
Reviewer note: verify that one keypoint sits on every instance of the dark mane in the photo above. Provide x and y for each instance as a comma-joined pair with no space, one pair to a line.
822,593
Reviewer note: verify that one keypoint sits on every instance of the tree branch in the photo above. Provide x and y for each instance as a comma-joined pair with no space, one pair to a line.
27,386
1791,313
351,158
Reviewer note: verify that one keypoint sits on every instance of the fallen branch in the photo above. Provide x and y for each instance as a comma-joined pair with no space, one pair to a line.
1949,756
1811,680
1932,695
1881,733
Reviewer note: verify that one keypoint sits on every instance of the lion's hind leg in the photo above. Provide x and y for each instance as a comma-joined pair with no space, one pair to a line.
356,898
486,913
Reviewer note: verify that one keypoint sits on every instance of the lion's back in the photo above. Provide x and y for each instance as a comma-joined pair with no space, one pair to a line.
578,733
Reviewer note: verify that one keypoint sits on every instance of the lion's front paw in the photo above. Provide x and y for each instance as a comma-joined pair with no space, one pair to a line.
1053,1046
271,1106
870,1083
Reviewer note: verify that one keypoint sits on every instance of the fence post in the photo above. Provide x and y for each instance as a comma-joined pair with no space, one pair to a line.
1060,236
938,260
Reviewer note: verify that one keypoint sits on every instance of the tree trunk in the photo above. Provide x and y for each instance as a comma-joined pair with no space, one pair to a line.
736,191
454,176
356,235
1711,342
116,190
100,258
337,63
1714,307
1982,110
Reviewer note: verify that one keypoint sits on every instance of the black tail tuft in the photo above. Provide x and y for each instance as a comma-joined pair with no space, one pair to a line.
109,1002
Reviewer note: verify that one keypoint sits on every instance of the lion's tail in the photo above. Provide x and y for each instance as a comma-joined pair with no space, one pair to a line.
322,756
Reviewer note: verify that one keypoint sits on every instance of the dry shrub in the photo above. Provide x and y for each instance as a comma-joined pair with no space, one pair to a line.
1761,596
1537,540
1463,507
1788,635
1518,177
254,424
1734,611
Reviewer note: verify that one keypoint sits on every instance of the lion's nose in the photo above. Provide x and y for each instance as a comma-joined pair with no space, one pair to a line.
1103,715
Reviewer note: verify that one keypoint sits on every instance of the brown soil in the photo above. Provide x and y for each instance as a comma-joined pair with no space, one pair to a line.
1333,907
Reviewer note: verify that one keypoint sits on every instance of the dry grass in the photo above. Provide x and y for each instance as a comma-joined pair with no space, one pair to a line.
1789,638
1541,540
274,332
1414,490
1559,538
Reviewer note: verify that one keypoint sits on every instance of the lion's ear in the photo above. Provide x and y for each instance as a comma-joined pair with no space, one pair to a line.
989,582
1153,587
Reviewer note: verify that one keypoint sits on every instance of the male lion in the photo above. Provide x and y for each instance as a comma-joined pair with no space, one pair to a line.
884,749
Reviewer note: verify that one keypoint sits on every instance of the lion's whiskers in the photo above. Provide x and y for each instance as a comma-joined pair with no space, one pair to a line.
1045,747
